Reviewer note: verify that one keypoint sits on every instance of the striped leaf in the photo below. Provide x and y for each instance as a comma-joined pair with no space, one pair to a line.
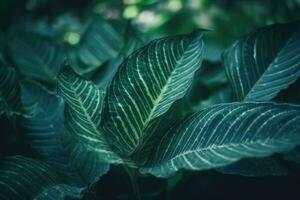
37,56
145,86
43,129
82,113
224,134
264,62
10,101
24,178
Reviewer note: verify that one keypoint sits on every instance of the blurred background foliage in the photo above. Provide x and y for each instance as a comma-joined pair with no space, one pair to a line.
73,24
226,19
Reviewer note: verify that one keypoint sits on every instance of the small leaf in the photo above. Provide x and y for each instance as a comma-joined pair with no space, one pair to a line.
43,129
82,113
145,86
25,178
264,62
224,134
10,101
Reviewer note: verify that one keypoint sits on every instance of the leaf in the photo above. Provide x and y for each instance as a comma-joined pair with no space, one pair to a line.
145,86
99,42
25,178
105,73
264,62
224,134
37,56
44,130
205,91
269,166
10,102
82,113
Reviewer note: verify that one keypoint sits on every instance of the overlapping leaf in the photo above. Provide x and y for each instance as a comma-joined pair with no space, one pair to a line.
10,101
225,133
269,166
146,85
37,56
24,178
264,62
83,113
43,129
99,42
105,73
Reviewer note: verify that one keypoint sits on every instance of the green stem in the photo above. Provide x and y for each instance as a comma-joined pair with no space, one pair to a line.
132,174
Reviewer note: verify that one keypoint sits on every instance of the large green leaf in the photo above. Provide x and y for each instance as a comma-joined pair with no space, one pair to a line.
264,62
10,101
82,113
205,91
43,129
225,133
36,56
145,86
25,178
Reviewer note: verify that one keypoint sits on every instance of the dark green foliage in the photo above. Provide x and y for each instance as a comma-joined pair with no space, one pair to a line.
88,100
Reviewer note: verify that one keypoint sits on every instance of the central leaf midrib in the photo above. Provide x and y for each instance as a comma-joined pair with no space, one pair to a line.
161,94
270,65
85,112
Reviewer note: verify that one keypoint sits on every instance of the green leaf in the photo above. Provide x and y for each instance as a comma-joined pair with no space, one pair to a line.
82,113
205,91
224,134
145,86
269,166
43,129
105,73
99,42
264,62
25,178
10,101
37,56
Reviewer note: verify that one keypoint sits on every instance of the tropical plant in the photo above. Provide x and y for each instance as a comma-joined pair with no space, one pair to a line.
155,108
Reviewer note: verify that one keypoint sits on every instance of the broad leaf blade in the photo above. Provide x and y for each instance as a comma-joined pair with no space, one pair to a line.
146,85
10,101
264,62
25,178
226,133
82,113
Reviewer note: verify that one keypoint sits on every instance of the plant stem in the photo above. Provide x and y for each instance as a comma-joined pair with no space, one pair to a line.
132,174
